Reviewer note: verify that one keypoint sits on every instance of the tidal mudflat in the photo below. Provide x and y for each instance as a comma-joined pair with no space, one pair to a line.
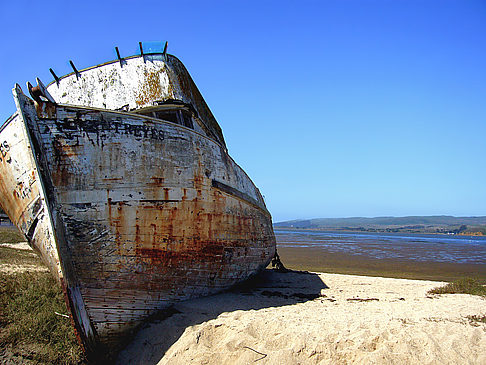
412,256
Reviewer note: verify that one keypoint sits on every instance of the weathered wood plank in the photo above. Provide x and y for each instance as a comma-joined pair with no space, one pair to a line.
141,212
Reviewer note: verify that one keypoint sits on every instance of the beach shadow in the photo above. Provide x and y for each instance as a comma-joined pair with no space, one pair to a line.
268,289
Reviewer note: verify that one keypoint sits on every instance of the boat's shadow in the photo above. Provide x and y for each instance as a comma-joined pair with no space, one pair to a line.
269,289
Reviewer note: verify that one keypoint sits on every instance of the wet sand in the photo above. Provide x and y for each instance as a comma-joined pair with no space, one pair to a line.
320,260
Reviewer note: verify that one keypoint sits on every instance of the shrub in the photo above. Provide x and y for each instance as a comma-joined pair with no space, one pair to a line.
462,286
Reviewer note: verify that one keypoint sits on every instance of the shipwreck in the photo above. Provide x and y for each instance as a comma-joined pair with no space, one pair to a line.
119,177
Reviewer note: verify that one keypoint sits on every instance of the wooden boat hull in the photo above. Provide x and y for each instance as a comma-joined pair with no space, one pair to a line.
135,213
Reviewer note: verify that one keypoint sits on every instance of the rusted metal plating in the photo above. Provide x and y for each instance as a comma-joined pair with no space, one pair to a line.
132,211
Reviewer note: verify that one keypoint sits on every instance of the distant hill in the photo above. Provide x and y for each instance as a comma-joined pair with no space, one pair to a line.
426,224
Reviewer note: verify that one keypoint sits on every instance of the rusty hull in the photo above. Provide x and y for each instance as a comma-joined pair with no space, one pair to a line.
131,213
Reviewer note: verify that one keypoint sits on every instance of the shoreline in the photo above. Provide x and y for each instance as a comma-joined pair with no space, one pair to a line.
319,260
337,230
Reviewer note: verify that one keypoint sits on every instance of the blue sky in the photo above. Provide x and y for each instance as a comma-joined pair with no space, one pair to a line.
334,108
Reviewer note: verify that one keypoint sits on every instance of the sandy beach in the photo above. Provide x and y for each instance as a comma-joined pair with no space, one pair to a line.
317,318
312,318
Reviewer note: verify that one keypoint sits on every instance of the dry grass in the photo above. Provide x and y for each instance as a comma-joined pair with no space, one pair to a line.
19,257
30,327
462,286
477,319
30,330
10,234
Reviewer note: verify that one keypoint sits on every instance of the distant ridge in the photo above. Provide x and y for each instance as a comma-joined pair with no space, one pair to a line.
433,224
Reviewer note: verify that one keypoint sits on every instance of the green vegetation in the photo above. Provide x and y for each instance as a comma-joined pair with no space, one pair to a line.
476,231
10,235
462,286
31,329
19,257
411,224
474,319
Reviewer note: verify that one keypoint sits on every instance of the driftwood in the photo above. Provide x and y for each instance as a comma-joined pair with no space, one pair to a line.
62,315
362,299
264,355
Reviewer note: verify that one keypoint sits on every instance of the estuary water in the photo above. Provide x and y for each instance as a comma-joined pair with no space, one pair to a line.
399,246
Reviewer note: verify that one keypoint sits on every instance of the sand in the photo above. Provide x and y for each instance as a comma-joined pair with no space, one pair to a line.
313,318
17,245
297,318
9,268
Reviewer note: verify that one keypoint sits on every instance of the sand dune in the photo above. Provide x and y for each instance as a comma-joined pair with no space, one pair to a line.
297,318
